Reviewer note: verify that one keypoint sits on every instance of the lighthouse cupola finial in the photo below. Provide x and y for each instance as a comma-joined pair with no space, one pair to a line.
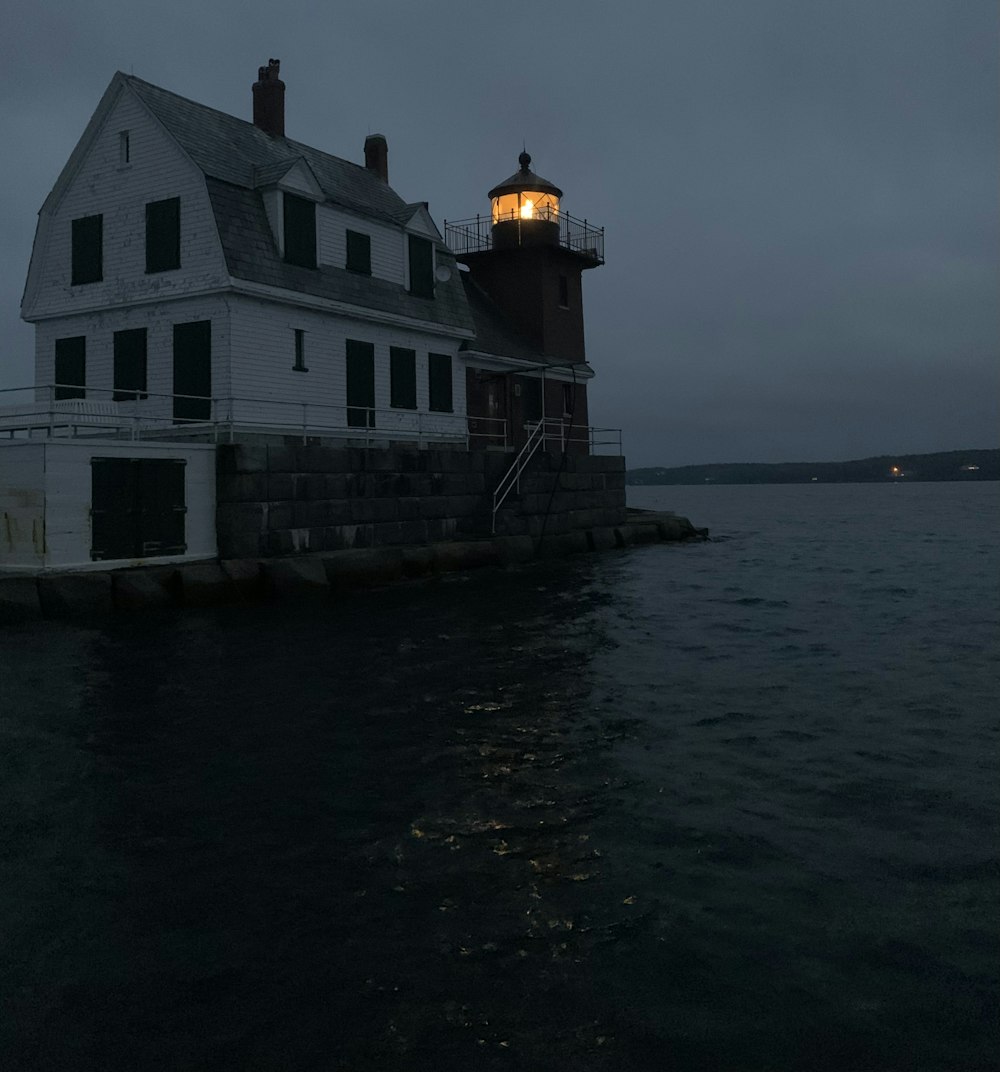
525,160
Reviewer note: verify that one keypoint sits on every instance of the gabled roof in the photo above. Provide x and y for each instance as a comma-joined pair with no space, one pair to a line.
236,152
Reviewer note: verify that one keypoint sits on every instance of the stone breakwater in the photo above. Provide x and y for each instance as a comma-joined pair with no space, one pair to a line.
94,592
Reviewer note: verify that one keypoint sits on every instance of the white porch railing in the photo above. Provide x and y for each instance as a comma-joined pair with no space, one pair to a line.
49,410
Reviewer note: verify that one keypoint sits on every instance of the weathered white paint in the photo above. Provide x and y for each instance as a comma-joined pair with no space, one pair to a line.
262,337
101,184
22,504
333,224
158,318
45,494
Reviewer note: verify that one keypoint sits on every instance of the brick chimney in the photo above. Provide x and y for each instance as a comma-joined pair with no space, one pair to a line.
269,100
377,155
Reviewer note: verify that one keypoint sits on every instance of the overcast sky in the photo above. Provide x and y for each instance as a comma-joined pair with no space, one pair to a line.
799,196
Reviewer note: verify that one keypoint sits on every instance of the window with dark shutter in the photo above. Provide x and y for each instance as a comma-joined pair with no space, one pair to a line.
88,250
130,364
71,367
402,377
300,351
439,374
531,399
163,235
359,253
421,267
300,231
360,384
193,371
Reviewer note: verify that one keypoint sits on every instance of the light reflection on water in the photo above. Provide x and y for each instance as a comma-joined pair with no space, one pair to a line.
727,805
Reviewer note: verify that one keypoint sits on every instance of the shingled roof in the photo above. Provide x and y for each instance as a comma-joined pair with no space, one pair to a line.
238,158
230,149
251,255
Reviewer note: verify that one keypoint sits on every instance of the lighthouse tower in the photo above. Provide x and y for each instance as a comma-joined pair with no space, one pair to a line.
532,263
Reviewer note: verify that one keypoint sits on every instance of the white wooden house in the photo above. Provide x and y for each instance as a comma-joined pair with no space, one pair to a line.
196,276
185,252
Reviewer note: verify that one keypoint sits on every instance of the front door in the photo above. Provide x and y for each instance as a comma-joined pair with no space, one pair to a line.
193,371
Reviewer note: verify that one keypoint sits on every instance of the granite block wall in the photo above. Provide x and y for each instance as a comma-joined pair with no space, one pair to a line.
283,497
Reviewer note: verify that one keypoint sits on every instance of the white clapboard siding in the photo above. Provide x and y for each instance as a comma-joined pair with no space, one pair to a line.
104,185
263,357
158,320
22,504
68,496
386,242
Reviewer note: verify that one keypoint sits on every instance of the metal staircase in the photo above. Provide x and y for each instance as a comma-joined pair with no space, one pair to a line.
512,478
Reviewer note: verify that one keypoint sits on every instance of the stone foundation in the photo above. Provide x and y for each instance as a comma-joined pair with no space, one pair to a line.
96,593
287,498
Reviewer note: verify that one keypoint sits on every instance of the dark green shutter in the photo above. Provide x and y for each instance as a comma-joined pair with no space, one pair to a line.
360,384
403,377
439,371
137,507
163,235
130,364
71,367
359,253
300,231
193,371
421,267
531,399
88,250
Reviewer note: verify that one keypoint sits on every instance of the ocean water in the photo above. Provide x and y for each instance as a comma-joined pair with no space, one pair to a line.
728,805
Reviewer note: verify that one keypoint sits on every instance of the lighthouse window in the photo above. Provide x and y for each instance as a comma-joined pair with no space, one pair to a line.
564,292
421,267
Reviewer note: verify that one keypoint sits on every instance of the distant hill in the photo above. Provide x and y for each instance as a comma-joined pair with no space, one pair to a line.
889,468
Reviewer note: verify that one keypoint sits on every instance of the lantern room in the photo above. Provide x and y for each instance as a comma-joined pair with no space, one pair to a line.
525,196
525,209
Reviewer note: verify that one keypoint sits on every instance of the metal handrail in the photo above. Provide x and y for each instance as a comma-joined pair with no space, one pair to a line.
512,477
137,418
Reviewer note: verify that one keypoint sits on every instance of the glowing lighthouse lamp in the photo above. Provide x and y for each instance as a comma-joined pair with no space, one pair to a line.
525,200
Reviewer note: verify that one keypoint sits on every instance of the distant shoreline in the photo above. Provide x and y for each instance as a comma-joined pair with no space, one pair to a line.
952,465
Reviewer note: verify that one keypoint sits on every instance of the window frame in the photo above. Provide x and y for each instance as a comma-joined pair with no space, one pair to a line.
420,266
87,250
358,254
360,414
300,350
300,246
123,359
163,246
63,387
402,377
434,392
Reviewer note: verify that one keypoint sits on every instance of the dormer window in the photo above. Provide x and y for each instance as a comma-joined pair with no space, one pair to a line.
300,231
421,267
359,253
